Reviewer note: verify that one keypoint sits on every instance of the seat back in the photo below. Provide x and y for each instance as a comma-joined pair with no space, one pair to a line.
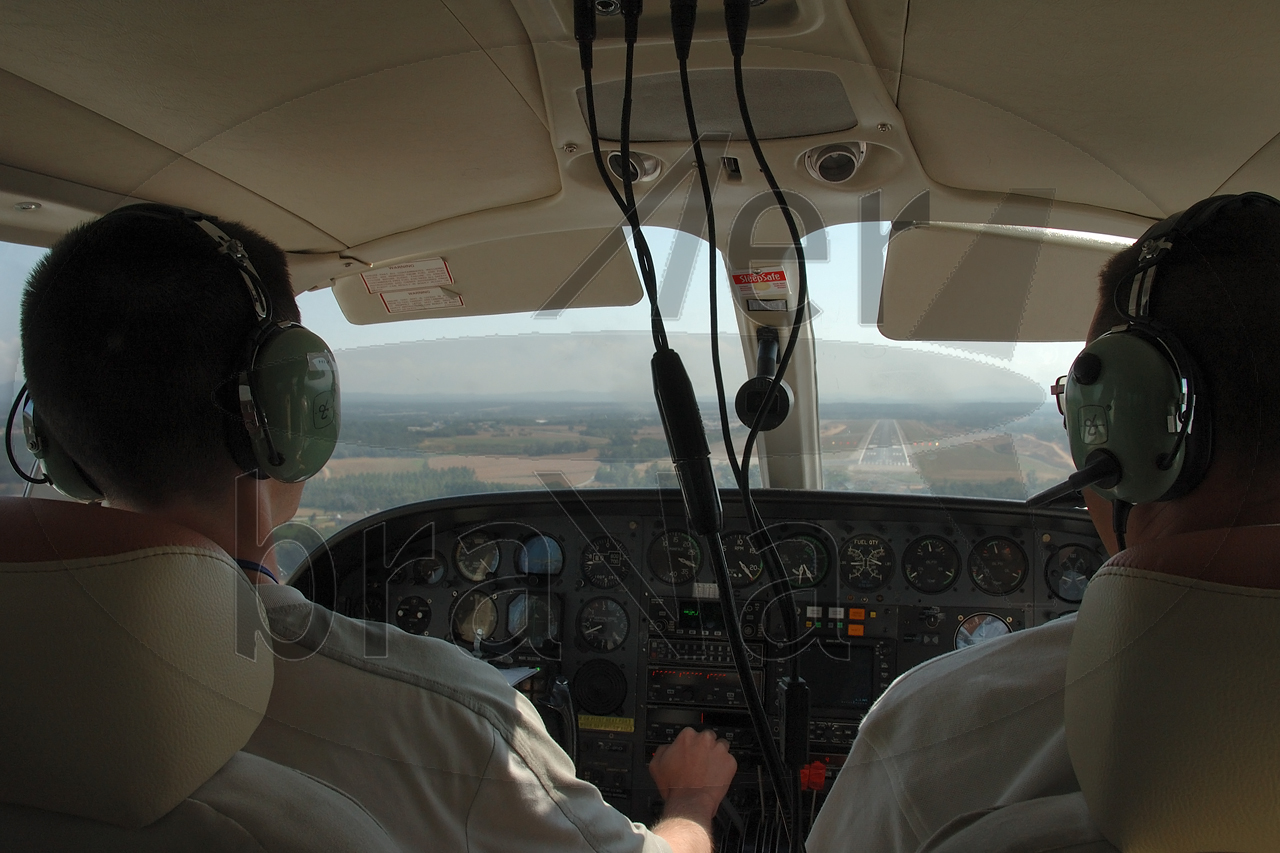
135,663
1171,698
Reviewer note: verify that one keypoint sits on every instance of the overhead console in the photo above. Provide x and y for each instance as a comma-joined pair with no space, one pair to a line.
609,598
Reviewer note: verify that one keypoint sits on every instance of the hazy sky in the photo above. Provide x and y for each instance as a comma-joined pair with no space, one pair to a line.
606,350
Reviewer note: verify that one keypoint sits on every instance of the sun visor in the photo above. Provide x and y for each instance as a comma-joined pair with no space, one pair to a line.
542,272
962,282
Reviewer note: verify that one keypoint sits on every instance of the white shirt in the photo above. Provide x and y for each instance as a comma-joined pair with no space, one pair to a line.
431,741
970,730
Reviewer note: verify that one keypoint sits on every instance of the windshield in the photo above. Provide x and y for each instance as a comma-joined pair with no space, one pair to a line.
473,404
526,401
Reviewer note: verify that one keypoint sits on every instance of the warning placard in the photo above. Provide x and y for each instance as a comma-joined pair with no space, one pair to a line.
761,283
412,275
426,299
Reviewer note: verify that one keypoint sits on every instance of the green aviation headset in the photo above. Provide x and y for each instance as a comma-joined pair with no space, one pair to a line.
285,389
1134,405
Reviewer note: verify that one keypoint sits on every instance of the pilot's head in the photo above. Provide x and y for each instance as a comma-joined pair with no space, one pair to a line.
1219,293
1217,297
133,328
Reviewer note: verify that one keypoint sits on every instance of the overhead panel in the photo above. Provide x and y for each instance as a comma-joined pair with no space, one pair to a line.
784,103
544,272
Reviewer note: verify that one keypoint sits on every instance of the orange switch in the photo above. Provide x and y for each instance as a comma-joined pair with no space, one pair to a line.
856,630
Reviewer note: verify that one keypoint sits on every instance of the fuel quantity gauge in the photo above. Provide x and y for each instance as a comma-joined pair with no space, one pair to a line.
866,563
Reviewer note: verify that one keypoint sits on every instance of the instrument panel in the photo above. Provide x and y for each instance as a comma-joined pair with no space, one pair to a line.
608,594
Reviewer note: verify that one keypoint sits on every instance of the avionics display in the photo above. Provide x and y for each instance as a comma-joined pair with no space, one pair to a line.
840,677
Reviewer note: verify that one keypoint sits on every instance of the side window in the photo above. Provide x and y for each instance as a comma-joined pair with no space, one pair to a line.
16,262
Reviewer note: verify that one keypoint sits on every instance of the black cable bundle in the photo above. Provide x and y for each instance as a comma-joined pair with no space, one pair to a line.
677,403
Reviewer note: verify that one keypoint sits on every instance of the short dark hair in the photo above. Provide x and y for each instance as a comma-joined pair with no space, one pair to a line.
1219,293
132,326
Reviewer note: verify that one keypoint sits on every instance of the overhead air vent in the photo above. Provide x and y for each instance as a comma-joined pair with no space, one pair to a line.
784,103
644,167
835,164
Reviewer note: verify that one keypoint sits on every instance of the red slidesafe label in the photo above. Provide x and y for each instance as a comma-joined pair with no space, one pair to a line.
753,278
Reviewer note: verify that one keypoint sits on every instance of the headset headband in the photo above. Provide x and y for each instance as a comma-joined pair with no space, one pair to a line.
1159,240
259,297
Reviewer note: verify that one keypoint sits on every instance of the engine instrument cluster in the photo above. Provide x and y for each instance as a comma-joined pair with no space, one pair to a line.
611,591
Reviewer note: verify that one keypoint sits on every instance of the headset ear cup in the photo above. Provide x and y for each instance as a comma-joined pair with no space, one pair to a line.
63,472
293,382
1124,399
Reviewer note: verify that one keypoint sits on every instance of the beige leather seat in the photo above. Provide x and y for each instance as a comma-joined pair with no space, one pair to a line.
135,666
1173,691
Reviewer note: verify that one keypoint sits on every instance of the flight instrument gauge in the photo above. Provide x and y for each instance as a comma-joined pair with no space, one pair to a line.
476,555
804,558
536,616
420,571
605,563
603,624
475,618
540,555
413,615
979,628
997,566
745,563
675,557
931,564
1069,571
866,563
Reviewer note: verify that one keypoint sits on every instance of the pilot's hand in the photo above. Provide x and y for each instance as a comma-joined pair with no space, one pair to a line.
693,775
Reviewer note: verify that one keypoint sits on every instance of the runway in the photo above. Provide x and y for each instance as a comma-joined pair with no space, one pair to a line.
884,446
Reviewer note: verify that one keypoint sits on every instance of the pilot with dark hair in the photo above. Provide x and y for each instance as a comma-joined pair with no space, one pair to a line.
134,329
978,738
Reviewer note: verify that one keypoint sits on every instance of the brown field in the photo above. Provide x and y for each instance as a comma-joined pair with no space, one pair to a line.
370,465
521,469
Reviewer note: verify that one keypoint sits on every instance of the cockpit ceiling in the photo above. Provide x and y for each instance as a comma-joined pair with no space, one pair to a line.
359,125
1138,106
396,128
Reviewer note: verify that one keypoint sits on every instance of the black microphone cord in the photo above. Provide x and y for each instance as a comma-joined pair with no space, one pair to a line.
585,32
18,402
683,16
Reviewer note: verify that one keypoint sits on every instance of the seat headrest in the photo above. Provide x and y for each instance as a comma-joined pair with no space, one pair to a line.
1171,697
135,664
